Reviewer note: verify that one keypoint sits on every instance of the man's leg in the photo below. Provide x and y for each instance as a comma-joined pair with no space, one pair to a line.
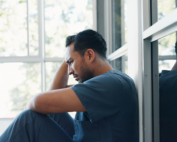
31,126
65,121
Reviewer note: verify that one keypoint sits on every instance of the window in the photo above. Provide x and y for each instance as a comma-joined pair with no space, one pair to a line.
120,64
32,47
167,55
159,39
119,24
117,28
165,7
145,32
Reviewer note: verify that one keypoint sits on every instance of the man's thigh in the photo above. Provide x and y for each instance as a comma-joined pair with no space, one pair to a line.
30,126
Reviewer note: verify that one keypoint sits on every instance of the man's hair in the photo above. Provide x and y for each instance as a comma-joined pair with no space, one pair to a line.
70,39
89,39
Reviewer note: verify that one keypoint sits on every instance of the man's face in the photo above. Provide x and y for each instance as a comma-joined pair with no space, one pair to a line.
77,64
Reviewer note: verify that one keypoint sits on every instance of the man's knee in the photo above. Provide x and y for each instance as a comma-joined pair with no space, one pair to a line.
29,116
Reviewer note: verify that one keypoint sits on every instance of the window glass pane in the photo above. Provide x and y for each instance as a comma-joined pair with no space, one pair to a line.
13,27
33,27
19,82
119,23
167,90
165,7
63,18
120,64
166,65
166,45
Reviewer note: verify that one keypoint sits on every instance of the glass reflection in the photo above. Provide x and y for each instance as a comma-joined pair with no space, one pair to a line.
119,26
165,7
166,45
166,65
120,64
168,97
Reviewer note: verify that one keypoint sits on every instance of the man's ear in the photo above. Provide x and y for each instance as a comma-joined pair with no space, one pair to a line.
90,55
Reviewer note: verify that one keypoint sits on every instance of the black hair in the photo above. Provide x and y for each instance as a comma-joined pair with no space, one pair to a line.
70,39
89,39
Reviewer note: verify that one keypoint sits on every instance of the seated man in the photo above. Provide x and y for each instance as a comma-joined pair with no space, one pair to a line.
168,104
105,100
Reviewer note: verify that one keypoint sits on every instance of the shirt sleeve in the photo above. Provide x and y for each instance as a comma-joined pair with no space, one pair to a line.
101,96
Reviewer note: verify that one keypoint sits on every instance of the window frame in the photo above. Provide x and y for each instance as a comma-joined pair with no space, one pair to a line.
144,30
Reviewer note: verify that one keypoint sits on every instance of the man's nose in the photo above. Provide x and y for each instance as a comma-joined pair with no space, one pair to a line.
70,70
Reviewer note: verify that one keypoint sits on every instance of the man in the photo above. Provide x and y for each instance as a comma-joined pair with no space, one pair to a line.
168,104
105,100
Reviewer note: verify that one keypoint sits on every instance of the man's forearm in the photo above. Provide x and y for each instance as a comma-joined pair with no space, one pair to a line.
60,79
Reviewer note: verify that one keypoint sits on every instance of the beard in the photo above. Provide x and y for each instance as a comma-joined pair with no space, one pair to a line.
86,74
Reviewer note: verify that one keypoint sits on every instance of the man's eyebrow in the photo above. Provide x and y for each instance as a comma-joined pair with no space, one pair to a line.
68,60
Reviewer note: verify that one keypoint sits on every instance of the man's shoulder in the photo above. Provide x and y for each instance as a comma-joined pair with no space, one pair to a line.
107,76
165,74
168,80
112,74
111,78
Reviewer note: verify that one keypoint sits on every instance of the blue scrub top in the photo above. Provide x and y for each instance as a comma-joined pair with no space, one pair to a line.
112,109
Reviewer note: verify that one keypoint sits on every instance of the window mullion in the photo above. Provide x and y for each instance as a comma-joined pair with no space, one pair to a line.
162,28
41,42
28,32
119,52
108,24
20,59
167,57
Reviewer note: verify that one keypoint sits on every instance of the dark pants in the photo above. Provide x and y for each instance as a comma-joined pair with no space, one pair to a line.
31,126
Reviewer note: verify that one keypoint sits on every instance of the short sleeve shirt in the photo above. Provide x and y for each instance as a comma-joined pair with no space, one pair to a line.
168,105
111,107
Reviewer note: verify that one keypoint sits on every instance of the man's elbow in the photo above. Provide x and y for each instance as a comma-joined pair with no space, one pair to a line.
37,104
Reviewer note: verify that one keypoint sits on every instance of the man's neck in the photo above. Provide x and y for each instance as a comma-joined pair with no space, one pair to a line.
102,68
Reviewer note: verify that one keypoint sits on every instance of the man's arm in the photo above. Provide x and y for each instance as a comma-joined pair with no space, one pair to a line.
59,98
56,101
60,79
